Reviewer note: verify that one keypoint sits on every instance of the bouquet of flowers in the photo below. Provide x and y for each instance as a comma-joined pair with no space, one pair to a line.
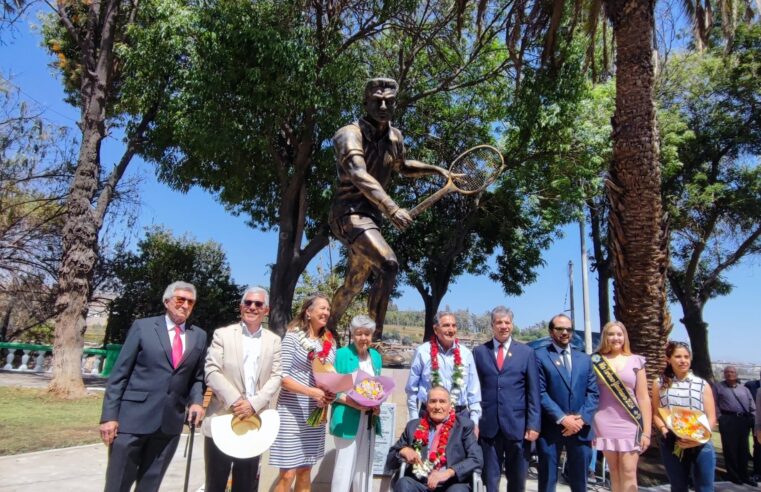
686,423
324,373
370,391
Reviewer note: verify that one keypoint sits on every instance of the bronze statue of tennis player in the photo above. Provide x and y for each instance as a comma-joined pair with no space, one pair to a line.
368,151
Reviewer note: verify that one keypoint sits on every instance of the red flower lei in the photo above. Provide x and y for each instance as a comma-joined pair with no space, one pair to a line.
456,373
327,344
436,457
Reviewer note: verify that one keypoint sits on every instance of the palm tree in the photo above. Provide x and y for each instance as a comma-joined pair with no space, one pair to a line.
702,16
638,228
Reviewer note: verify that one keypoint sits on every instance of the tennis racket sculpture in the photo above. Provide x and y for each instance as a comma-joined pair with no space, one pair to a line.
469,174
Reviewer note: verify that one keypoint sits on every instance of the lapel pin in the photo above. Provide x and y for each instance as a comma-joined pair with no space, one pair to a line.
557,362
509,354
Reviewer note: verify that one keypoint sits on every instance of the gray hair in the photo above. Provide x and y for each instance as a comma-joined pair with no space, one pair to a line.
438,387
179,285
501,312
442,314
252,289
361,322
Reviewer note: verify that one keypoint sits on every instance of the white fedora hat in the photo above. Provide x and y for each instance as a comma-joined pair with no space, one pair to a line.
245,441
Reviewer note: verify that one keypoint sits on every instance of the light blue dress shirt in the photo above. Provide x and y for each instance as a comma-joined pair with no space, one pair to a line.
419,381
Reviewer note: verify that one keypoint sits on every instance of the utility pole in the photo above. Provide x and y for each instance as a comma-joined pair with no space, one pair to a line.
570,294
585,289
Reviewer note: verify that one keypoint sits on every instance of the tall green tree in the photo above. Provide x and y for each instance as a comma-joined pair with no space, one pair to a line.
92,43
140,279
714,196
268,83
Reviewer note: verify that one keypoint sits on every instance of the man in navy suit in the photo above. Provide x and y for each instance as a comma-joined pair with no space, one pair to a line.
158,374
569,395
510,403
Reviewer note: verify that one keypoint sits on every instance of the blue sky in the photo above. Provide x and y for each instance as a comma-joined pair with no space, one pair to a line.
733,335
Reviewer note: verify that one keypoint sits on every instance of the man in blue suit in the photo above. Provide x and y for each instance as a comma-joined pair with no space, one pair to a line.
509,401
158,374
569,395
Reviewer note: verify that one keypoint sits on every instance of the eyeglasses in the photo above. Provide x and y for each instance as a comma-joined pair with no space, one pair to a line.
563,329
179,301
257,304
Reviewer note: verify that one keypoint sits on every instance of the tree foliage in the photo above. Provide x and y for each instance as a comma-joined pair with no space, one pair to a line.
35,164
714,194
140,279
268,83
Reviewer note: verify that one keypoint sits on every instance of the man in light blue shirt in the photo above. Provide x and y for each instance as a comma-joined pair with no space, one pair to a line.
452,367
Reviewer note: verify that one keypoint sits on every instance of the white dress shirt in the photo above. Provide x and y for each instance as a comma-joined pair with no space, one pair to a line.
252,349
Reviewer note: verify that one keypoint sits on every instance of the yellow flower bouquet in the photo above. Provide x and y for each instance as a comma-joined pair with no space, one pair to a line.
686,423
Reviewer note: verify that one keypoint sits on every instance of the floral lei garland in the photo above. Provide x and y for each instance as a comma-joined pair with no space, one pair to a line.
457,378
436,458
327,344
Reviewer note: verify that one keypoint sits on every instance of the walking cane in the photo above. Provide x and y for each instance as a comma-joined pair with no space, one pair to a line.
190,450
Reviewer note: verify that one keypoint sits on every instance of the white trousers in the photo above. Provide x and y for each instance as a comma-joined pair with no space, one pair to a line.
354,458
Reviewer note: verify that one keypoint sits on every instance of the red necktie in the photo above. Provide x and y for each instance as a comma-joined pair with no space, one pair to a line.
176,347
436,437
500,356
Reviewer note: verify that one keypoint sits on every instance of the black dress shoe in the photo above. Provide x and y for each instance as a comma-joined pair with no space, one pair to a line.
751,483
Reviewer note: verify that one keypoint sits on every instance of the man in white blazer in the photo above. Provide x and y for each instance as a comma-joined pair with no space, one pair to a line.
243,371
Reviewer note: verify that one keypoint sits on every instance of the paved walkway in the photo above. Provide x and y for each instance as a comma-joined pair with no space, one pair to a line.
83,468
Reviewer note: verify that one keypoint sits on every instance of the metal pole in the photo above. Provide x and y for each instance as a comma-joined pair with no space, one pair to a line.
570,294
585,289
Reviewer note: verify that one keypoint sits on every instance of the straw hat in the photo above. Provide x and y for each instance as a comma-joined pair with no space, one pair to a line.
245,438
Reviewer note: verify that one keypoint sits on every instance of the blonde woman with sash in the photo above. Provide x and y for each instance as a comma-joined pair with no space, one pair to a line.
623,419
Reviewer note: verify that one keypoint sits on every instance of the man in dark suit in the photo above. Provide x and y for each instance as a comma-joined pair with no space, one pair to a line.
158,374
569,396
424,437
510,403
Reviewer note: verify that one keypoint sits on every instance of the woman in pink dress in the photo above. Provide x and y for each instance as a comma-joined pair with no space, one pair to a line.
618,419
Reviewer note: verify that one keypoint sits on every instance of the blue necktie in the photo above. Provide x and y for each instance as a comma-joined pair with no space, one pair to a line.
565,358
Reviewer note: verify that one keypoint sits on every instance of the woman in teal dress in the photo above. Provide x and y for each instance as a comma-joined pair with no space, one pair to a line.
353,439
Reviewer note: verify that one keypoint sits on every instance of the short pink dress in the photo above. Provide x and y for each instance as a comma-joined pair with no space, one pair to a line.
614,428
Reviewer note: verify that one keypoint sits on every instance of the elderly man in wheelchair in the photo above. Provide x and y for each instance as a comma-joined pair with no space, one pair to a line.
438,452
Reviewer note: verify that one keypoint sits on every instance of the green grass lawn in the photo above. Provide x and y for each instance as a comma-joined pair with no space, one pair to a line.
30,420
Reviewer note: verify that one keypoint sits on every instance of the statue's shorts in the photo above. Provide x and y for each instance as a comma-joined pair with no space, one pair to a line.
348,228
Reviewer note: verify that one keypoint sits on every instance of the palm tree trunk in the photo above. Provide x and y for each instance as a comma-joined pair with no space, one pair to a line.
638,230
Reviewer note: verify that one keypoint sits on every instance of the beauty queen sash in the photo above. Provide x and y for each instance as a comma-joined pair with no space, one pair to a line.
608,376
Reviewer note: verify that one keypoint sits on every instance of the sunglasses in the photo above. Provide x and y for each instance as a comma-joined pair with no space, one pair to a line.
257,304
563,329
179,301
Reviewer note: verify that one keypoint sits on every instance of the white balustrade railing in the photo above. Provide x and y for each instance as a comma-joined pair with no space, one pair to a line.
91,363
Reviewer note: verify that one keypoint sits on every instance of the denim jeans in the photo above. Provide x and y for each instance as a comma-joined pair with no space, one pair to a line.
700,461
